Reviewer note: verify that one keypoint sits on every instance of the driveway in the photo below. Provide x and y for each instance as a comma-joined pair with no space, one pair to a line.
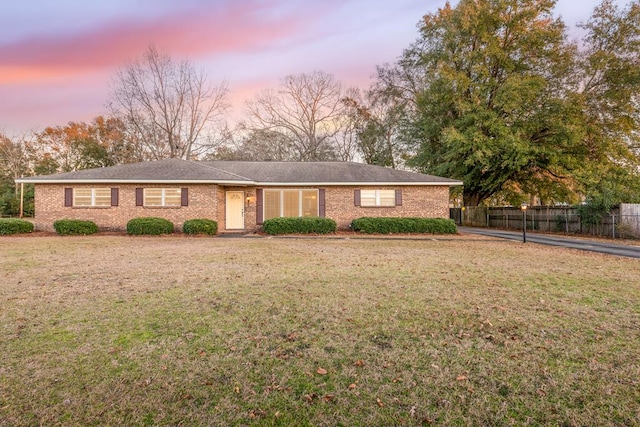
565,242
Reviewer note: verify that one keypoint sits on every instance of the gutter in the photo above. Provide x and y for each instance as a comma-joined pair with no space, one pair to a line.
235,183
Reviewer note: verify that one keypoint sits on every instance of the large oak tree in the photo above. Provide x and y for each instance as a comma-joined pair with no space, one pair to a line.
500,99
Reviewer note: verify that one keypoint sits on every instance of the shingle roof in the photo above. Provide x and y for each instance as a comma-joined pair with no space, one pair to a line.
175,170
322,172
244,173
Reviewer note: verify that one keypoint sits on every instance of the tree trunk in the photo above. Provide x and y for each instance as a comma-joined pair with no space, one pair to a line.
471,199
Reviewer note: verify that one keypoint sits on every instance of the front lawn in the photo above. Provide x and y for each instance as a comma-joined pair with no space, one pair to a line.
117,330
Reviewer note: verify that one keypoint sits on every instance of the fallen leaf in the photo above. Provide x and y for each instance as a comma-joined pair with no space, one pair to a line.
352,386
310,397
321,371
379,402
461,378
328,397
359,363
541,392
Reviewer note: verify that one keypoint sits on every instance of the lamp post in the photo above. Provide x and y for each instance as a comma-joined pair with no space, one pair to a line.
523,207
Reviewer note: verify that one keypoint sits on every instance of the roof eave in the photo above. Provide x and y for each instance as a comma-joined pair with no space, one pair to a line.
237,183
363,183
132,181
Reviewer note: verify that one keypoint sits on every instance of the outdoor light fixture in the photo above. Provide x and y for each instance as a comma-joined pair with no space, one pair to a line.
523,207
250,199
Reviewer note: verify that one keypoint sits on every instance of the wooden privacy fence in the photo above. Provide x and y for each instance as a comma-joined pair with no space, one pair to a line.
622,221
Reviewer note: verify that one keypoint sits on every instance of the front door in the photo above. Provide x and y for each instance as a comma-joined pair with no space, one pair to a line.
235,210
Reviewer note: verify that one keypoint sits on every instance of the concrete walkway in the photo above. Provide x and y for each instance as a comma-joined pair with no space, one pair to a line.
565,242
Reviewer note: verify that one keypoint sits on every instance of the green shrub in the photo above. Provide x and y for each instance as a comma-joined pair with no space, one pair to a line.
68,227
302,225
15,226
149,225
200,226
404,225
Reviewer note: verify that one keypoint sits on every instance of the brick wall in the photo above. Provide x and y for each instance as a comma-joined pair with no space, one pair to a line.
49,199
208,201
422,202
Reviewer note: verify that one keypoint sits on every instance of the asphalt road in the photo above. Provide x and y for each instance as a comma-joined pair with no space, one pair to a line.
544,239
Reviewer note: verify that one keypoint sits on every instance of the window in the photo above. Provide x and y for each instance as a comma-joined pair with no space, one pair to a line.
92,197
290,203
377,198
162,197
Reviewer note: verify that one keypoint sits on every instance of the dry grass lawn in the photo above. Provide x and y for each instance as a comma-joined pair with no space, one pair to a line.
116,330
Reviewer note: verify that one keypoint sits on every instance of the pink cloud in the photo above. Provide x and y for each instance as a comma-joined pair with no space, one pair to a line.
239,26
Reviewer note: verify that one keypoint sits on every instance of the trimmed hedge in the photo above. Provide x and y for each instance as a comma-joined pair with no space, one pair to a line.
75,227
15,226
200,226
149,225
302,225
404,225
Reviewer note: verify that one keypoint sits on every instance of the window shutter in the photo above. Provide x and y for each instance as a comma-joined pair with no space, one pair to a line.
259,212
398,197
321,205
68,197
139,197
356,197
114,197
184,201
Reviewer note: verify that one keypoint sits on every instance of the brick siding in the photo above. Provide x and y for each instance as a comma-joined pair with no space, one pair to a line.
417,201
49,202
422,202
208,201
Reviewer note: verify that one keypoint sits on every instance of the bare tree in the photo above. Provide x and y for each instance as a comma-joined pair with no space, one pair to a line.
376,119
13,160
305,111
167,106
255,145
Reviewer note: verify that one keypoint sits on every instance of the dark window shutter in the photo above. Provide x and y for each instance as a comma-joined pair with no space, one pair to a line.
356,197
139,197
259,212
398,197
184,197
68,196
114,197
321,205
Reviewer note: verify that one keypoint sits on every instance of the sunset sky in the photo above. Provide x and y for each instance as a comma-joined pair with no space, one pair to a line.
57,58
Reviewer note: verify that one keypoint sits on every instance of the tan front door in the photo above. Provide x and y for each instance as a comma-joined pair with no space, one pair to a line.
235,210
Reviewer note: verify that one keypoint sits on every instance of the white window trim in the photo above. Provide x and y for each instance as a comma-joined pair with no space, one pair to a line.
163,202
377,197
93,197
281,191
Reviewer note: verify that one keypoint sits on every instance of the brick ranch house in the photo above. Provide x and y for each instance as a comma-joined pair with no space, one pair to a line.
238,195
